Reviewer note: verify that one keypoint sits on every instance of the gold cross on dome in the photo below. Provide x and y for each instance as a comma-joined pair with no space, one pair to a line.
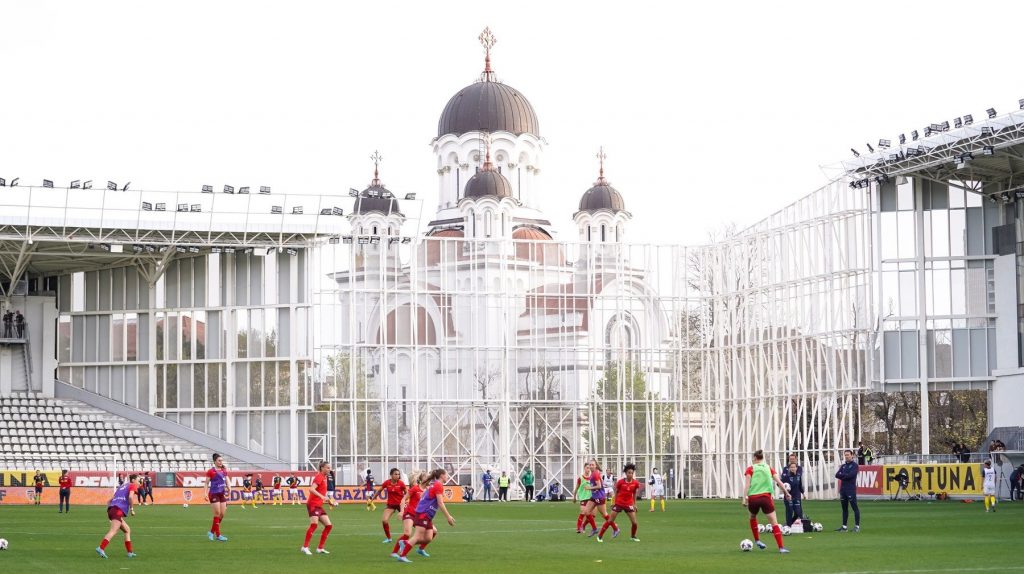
377,158
601,157
488,40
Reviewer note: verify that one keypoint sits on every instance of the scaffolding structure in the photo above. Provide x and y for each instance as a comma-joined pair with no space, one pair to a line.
509,354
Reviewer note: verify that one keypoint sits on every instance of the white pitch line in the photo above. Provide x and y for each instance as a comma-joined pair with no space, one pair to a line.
931,570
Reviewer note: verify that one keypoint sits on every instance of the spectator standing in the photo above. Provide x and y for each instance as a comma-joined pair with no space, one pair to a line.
8,324
147,485
847,475
332,483
19,324
503,482
528,480
1016,478
487,479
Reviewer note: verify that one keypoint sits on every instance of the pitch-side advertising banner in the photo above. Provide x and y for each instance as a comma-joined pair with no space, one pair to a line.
17,478
931,478
869,480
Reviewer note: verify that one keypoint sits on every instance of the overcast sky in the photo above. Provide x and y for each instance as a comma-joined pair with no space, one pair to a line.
709,112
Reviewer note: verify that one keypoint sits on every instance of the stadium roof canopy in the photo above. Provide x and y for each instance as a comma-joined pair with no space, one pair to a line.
47,231
986,155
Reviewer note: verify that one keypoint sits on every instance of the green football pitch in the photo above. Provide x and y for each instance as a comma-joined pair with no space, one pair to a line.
693,536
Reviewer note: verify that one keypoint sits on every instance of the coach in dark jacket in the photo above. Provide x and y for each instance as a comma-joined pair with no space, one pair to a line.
847,475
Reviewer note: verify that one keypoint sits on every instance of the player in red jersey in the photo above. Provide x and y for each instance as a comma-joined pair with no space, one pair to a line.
419,480
315,508
597,496
625,501
430,502
39,480
217,492
758,491
396,490
65,492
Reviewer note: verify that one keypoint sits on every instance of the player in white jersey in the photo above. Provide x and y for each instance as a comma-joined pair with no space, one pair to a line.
988,486
656,484
608,482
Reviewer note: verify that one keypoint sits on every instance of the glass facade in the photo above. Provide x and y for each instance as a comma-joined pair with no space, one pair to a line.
218,342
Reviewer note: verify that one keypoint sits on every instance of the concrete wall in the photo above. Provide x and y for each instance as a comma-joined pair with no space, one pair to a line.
1007,394
41,320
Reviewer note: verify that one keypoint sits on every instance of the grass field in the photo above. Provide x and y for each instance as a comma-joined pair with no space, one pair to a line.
693,536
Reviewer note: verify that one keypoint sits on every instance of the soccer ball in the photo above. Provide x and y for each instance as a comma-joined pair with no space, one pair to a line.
184,505
818,527
786,486
786,531
3,544
746,545
760,528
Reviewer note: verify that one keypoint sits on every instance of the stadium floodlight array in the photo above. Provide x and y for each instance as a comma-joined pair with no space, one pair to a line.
987,131
193,249
410,196
291,252
988,150
161,207
855,152
364,240
265,189
1020,103
337,211
47,183
968,119
870,149
353,192
195,207
111,185
991,113
297,210
180,249
229,189
914,135
406,240
276,209
207,189
76,184
347,239
182,207
243,190
334,240
325,211
216,250
958,123
884,143
3,182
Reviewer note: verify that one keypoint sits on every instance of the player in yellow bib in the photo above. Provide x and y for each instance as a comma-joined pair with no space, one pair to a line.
759,482
583,495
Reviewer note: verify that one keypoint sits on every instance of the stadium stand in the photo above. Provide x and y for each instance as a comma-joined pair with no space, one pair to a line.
37,432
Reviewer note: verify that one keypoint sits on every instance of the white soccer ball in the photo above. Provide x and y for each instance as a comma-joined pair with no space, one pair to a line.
746,545
786,531
818,527
184,505
3,544
786,486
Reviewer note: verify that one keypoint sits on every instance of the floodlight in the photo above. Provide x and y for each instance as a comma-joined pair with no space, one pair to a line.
911,151
945,126
987,131
3,182
14,182
373,193
264,189
111,185
150,249
182,207
988,150
104,246
216,250
991,113
47,183
242,190
147,206
337,211
957,123
230,250
138,249
966,156
161,207
894,157
325,211
353,192
410,196
914,135
207,189
195,207
968,119
363,240
927,131
333,240
375,240
291,252
180,249
277,209
1020,103
347,239
936,127
870,149
229,189
855,154
193,249
125,188
247,250
406,240
903,139
76,184
297,210
87,184
884,143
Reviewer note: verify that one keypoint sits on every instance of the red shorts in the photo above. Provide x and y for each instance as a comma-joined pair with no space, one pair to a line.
617,508
39,489
423,521
760,502
219,497
316,510
114,513
409,516
584,502
395,507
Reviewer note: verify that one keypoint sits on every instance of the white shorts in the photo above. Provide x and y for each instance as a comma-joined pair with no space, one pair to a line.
246,496
989,491
657,491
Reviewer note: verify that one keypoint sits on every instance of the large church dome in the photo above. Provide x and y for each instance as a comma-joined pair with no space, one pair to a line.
488,105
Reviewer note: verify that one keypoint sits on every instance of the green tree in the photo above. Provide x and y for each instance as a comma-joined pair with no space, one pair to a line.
357,417
629,420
